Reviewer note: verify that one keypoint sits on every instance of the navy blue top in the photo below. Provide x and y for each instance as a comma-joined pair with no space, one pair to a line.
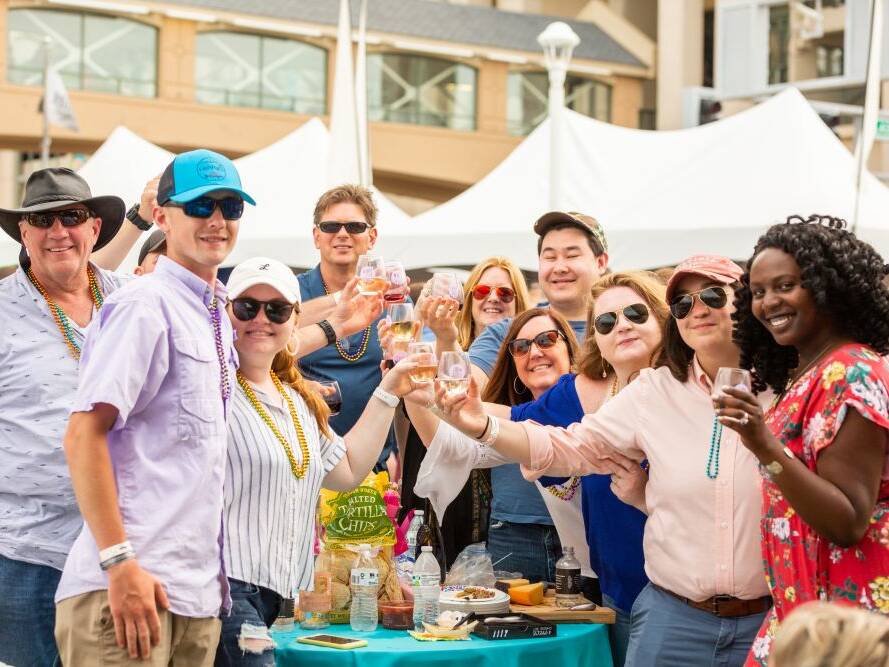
613,528
357,379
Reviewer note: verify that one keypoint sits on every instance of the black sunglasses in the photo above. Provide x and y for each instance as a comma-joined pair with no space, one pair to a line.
351,227
712,297
232,207
636,313
68,218
277,312
544,340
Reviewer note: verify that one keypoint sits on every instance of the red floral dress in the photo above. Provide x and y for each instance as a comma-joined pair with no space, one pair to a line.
799,564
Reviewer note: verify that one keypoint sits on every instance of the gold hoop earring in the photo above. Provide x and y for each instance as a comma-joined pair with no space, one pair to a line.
517,390
291,350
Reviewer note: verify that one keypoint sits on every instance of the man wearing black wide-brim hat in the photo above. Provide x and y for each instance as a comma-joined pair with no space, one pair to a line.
45,307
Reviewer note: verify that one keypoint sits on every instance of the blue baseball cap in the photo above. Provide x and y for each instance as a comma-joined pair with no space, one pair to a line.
195,173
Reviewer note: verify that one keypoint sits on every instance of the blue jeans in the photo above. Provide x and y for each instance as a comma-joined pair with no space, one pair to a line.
250,604
529,548
618,633
666,632
28,613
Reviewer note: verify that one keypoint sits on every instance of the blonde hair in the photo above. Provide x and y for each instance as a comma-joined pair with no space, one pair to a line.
352,194
652,291
465,323
284,366
820,634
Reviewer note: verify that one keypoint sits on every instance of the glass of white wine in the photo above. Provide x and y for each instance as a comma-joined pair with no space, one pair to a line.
401,326
737,378
453,372
427,364
371,275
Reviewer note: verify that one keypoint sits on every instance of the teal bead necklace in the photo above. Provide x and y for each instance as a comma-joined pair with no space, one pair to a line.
715,442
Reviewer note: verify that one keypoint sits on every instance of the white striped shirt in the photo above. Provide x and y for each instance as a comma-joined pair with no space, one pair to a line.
270,514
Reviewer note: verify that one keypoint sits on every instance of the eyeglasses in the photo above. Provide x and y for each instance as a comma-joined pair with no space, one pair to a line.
636,313
277,312
351,227
712,297
202,207
505,294
544,340
68,218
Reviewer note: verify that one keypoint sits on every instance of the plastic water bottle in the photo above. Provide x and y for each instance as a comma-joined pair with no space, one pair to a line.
365,581
426,587
567,579
412,532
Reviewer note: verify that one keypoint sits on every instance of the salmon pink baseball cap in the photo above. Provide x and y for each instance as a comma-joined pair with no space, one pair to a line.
715,267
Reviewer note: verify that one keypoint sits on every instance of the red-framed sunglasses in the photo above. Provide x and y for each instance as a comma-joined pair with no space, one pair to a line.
505,294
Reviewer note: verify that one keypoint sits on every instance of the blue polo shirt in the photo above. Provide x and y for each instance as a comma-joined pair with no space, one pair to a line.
357,378
514,499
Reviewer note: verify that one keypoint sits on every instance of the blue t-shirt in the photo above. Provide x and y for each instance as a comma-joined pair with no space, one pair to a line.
514,498
358,378
484,349
613,528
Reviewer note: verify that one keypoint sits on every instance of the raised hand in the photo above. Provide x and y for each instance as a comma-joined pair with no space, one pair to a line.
462,411
355,311
738,409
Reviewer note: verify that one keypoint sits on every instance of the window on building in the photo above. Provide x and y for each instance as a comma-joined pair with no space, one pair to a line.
92,52
779,43
528,93
829,60
244,70
408,88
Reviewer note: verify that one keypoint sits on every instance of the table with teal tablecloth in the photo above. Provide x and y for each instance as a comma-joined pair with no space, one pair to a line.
579,645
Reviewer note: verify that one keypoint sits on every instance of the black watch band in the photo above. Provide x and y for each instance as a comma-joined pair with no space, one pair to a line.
134,217
328,331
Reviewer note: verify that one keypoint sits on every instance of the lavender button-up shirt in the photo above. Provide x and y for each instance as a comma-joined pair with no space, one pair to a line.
152,355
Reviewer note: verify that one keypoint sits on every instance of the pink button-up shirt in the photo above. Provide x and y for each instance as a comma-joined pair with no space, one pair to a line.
702,535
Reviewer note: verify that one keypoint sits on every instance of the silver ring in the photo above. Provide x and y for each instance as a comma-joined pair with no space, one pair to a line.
744,420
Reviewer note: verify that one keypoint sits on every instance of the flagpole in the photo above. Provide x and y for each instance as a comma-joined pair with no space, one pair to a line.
871,104
46,140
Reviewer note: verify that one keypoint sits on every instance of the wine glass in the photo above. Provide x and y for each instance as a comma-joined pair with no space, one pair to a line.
454,372
445,284
371,275
330,392
427,364
397,278
737,378
401,326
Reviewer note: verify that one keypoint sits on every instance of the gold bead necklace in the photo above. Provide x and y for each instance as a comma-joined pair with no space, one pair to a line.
61,320
299,469
365,337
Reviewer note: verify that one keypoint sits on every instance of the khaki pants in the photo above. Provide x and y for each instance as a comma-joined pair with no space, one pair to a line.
85,635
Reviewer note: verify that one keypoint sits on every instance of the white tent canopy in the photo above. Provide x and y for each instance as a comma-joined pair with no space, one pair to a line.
660,195
285,179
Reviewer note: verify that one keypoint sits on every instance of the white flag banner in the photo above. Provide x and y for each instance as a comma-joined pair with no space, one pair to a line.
57,104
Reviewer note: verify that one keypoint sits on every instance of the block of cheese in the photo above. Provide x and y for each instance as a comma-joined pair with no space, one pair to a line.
505,584
529,594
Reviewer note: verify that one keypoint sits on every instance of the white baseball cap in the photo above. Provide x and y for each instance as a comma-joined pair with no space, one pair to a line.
264,271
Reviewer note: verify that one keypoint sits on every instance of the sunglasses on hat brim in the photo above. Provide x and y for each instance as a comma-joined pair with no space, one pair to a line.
712,297
636,313
277,312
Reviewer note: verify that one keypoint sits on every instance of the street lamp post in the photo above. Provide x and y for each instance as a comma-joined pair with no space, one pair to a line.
558,41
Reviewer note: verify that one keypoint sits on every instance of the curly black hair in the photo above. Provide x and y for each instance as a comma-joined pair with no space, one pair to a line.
845,277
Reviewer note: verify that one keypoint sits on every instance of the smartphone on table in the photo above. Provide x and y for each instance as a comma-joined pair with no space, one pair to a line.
332,641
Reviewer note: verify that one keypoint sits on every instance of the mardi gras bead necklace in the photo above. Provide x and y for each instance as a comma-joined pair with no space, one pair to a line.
62,321
365,337
298,469
224,384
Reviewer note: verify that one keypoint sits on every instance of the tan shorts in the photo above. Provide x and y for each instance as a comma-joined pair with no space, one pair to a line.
85,635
